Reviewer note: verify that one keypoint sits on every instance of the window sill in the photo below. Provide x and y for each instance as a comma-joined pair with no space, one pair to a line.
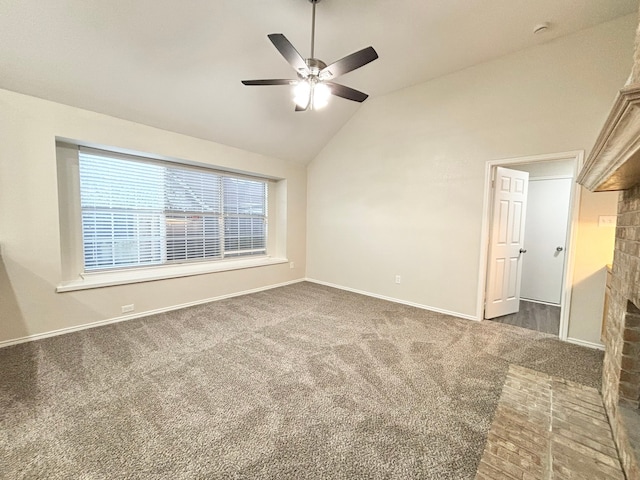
123,277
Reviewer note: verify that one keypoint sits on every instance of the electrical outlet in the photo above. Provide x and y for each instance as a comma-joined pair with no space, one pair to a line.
291,265
127,308
398,279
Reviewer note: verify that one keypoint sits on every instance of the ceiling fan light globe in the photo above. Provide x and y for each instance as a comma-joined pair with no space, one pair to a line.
301,94
321,94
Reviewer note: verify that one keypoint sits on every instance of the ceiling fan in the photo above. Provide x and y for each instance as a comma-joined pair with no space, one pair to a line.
314,84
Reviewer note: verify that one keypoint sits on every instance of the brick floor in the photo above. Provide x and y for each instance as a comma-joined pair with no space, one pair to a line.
548,428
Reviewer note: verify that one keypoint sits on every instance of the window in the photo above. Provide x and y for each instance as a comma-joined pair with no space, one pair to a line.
138,212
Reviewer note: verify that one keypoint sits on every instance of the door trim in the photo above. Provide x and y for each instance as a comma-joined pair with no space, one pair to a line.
578,158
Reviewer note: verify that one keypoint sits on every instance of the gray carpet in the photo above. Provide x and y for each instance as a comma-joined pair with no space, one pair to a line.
299,382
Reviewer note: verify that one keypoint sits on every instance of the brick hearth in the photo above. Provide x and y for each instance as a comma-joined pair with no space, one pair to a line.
548,428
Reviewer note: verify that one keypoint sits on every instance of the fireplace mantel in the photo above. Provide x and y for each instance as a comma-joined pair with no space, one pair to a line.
614,163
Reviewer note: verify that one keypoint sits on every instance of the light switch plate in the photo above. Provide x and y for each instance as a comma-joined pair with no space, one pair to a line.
607,221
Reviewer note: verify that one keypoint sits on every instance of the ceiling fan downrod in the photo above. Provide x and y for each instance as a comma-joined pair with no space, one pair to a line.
313,27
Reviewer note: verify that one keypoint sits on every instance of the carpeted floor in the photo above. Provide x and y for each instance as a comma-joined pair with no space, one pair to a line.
299,382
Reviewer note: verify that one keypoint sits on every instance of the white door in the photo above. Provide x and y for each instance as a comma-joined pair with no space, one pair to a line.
545,240
507,240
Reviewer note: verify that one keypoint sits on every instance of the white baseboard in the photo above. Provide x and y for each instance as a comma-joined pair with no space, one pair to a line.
584,343
62,331
540,302
395,300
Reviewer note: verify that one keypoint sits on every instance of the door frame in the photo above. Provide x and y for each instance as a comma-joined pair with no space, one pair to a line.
574,209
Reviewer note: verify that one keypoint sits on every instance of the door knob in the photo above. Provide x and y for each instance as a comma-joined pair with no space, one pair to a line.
559,249
522,250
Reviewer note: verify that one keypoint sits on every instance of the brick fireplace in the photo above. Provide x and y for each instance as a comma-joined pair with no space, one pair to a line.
622,337
614,164
621,372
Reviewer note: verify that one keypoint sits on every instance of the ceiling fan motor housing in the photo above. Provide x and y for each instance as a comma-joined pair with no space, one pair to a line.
315,66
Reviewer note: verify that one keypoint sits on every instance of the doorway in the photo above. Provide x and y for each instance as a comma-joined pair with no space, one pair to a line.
544,290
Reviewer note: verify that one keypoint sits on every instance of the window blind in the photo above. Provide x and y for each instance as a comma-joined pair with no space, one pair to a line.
141,213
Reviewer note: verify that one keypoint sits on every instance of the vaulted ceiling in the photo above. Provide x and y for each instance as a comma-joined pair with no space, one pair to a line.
177,65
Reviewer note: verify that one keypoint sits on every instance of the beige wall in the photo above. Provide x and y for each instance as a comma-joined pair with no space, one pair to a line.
595,251
31,265
399,190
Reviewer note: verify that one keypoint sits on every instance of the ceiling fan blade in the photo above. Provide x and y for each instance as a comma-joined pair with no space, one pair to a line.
347,92
269,82
289,52
348,63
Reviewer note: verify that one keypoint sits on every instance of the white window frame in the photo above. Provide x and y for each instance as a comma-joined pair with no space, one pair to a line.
75,278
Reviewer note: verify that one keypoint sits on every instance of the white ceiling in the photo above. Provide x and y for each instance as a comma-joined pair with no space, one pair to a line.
177,65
